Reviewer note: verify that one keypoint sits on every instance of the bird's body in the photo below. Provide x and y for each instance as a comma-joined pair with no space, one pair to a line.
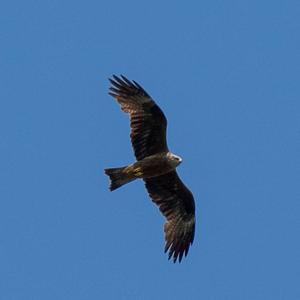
150,166
155,164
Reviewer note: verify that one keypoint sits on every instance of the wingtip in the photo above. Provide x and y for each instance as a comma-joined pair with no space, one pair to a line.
110,80
126,80
122,82
113,79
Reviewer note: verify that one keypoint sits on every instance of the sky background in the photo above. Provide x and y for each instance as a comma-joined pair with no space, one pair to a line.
226,74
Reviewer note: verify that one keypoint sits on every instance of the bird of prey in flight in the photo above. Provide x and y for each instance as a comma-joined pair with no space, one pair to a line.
155,164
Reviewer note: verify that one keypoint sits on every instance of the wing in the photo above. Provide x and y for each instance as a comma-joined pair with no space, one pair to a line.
147,121
177,204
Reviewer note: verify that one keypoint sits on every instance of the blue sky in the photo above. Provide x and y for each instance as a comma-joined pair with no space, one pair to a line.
226,74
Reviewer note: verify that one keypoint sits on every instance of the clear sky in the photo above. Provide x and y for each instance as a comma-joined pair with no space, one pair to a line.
226,74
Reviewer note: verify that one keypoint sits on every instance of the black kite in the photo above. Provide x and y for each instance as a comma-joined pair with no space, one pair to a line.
155,164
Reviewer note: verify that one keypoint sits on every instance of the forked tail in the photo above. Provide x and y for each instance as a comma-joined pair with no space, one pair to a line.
117,177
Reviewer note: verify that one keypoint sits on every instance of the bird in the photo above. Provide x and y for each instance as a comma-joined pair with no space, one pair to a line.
155,165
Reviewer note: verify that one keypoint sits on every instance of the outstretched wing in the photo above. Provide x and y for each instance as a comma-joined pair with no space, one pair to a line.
147,121
177,204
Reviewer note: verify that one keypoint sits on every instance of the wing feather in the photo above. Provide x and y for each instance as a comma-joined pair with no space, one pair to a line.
177,204
147,121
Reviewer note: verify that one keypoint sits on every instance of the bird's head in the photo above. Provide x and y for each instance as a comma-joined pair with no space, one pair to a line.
174,159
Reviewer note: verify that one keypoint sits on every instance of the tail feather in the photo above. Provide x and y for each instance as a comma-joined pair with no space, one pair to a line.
117,177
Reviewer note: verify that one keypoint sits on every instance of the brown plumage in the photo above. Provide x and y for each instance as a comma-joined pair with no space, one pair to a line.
155,165
147,121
